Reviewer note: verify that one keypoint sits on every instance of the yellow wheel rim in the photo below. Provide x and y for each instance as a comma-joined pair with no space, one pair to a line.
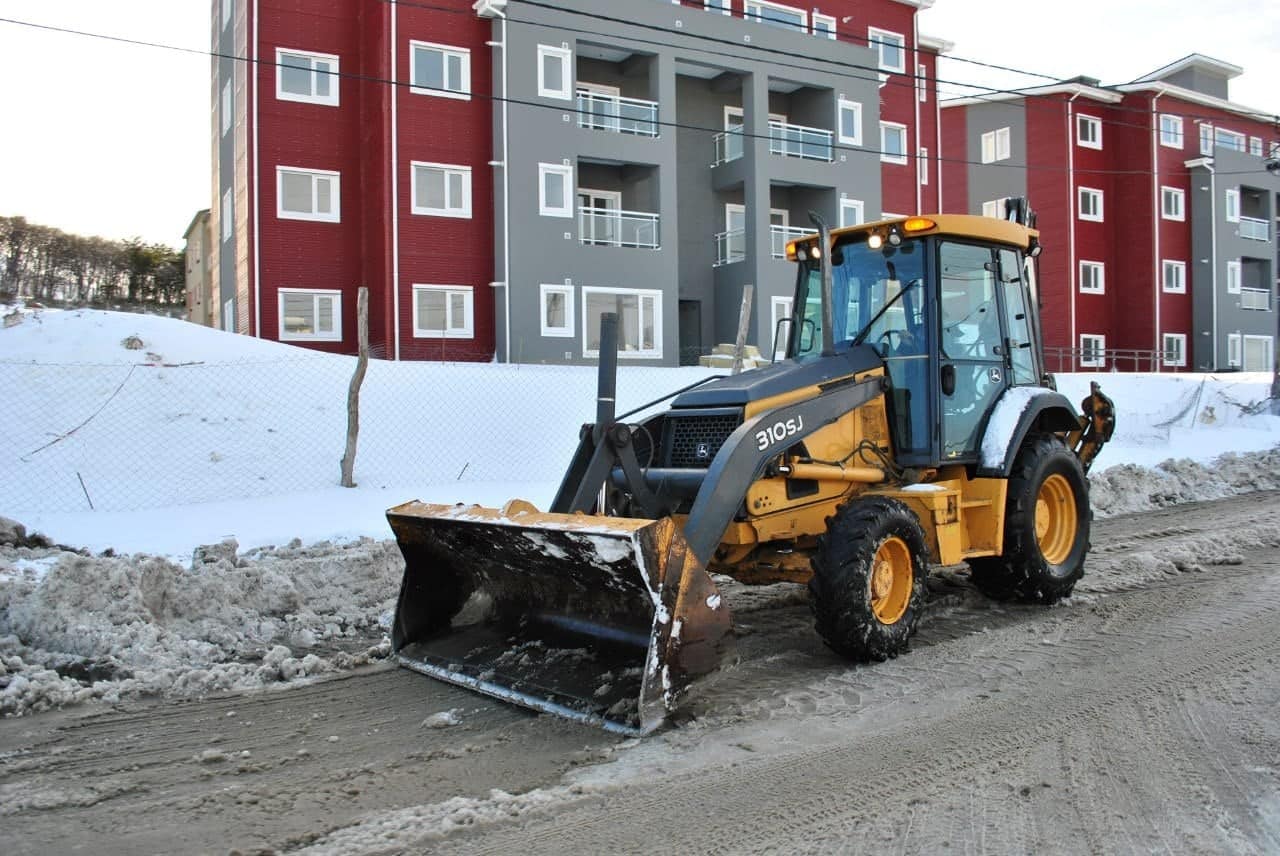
1056,519
891,580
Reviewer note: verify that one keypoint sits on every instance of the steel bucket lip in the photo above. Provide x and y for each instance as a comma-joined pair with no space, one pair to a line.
585,524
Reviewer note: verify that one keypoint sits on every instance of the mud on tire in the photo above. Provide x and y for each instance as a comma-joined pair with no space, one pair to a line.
841,588
1044,471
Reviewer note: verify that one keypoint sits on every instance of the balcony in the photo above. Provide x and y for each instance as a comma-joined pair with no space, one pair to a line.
1255,229
731,246
728,146
780,235
616,114
1255,298
610,227
798,141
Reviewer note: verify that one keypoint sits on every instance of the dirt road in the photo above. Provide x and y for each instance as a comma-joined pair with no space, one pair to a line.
1139,716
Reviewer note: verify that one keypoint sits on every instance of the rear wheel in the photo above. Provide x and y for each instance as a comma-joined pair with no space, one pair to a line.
868,579
1046,527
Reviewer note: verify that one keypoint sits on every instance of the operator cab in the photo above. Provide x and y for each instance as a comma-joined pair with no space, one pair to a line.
947,302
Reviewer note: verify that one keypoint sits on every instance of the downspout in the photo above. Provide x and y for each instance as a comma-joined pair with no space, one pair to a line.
395,184
937,127
915,97
1073,269
506,196
1155,230
1213,264
257,183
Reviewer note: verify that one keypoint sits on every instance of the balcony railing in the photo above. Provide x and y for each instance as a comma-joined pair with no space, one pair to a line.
728,146
1255,298
616,114
1255,229
731,246
798,141
779,235
610,227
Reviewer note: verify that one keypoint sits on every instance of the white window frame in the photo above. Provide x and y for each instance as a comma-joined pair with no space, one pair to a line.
1171,136
997,145
1255,146
1099,270
1173,276
779,308
724,7
847,204
1269,341
566,56
566,291
316,175
751,11
843,104
830,23
885,157
334,335
1092,192
462,94
467,331
1083,121
1206,139
228,12
1220,134
462,211
1273,151
1231,208
922,82
1181,340
562,207
1235,276
1235,350
875,39
229,315
922,166
1177,196
641,294
226,107
1100,348
330,100
228,215
994,208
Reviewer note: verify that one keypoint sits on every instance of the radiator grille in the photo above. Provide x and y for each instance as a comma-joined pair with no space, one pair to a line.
694,440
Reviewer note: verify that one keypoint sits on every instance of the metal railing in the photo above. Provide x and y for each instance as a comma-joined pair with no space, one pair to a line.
617,114
1058,359
799,141
1255,229
728,146
731,246
779,235
1255,298
611,227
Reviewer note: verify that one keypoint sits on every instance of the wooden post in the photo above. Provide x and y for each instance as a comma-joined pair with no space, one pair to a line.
353,392
744,321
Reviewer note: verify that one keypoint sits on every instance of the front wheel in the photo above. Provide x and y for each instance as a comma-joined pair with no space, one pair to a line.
1046,527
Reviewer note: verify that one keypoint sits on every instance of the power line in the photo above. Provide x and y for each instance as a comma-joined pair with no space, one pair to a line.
836,147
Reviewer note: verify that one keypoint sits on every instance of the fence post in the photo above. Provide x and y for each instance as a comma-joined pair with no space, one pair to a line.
353,391
744,321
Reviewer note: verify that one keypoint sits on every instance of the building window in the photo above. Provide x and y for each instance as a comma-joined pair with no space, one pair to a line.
1090,204
555,190
996,145
1274,150
1234,341
1230,140
1232,208
893,142
824,25
890,46
1171,131
441,190
311,78
1173,277
229,316
776,14
1175,349
443,312
922,165
780,313
308,194
1089,131
849,124
1206,139
1093,350
1093,278
994,208
725,6
557,310
441,70
1234,276
226,107
310,315
228,7
852,212
639,321
1255,146
554,72
1173,203
228,215
922,82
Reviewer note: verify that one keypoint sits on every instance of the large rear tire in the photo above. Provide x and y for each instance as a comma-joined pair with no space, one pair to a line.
868,579
1046,527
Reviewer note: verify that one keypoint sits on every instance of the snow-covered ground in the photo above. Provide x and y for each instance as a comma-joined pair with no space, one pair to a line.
150,414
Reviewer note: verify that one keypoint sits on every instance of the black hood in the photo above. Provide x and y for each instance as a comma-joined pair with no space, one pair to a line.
778,378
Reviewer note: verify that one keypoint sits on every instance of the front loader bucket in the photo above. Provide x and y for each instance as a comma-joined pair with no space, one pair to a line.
601,619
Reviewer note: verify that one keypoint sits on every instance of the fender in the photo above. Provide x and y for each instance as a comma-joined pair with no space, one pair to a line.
1019,410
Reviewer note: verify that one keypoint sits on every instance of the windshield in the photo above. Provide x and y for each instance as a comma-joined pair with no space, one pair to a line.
879,290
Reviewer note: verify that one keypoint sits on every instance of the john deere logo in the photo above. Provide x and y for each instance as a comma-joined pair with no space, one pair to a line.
702,452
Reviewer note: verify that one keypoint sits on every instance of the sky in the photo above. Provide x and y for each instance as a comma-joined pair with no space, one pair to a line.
116,139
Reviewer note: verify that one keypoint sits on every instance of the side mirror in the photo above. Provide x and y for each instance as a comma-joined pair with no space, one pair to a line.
948,379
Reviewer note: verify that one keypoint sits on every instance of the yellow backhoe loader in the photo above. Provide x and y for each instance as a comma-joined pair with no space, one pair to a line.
912,422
